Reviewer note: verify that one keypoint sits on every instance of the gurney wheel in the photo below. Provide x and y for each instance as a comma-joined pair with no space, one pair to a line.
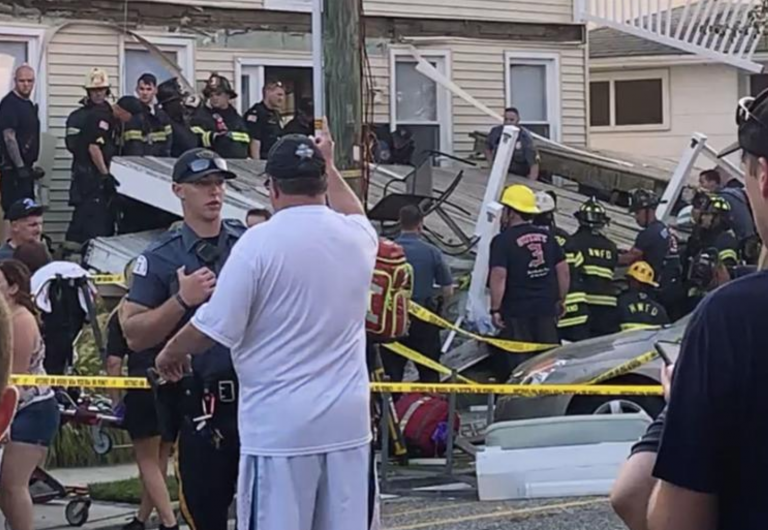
102,442
77,512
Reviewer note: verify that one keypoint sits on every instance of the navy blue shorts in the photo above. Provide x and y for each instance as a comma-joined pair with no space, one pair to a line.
36,424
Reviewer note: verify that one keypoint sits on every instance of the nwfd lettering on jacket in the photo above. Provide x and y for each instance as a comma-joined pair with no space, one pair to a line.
601,253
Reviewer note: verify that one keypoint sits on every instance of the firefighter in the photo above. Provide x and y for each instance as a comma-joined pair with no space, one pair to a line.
91,138
637,308
170,98
600,259
529,279
711,217
219,125
573,326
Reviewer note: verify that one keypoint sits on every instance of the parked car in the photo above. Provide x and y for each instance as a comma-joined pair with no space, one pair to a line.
584,361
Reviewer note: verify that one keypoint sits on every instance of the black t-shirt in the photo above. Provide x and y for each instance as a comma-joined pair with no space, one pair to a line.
117,346
715,439
655,241
20,115
265,125
530,255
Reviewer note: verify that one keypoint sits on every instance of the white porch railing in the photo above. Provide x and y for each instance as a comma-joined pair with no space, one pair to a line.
727,31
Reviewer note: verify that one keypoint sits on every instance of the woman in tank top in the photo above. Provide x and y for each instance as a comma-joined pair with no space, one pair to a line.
37,415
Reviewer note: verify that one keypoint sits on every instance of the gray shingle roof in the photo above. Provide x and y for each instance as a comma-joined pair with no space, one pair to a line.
609,42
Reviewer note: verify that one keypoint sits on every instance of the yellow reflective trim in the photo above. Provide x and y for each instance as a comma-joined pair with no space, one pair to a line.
631,327
573,321
168,129
73,131
131,136
596,299
576,298
240,137
158,136
100,141
728,254
601,272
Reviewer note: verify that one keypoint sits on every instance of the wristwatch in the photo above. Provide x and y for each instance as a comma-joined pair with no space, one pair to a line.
495,311
185,306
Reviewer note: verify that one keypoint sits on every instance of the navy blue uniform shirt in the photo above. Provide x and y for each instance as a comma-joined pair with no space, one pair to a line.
715,440
155,281
429,266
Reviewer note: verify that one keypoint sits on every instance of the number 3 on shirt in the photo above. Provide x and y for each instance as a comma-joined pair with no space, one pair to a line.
537,255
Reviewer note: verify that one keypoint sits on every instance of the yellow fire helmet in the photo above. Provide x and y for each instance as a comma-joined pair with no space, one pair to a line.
643,273
97,78
520,198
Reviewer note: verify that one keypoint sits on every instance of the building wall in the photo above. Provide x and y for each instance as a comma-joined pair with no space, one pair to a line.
476,66
703,99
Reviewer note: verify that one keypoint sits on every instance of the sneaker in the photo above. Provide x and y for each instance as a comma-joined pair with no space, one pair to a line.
134,525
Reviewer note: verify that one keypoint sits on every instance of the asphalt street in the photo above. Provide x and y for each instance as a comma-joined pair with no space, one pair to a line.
462,514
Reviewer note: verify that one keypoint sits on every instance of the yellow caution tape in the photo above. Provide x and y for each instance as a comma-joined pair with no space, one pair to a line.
520,390
444,388
108,279
418,358
81,381
511,346
629,366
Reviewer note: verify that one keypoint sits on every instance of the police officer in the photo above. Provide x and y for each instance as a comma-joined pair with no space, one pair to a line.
171,279
303,121
600,259
170,98
637,308
219,125
711,217
264,120
573,325
20,146
91,131
529,279
525,159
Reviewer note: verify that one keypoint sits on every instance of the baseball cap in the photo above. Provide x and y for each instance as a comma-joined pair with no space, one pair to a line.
22,209
131,104
196,164
295,156
752,120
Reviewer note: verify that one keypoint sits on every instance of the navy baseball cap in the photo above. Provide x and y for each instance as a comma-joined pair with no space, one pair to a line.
198,163
752,119
22,209
295,156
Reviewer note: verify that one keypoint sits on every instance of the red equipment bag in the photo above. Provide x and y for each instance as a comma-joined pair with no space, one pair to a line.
390,294
424,423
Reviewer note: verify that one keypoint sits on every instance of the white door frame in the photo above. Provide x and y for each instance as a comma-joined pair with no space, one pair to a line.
33,37
551,60
259,63
444,97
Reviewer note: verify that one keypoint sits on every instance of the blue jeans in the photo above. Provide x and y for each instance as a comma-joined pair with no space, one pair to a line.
36,424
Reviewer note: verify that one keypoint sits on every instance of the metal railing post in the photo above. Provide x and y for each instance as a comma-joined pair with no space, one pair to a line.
385,419
489,413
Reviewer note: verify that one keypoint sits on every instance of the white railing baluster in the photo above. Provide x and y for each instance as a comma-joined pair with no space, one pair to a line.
668,29
692,22
740,35
682,19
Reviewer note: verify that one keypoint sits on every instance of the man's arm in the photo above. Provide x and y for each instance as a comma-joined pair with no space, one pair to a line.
629,257
498,284
255,149
98,159
563,279
675,508
188,341
632,490
489,156
533,174
12,145
340,195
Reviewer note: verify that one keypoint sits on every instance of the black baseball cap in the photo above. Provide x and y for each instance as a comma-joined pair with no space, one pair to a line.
22,209
295,156
198,163
131,104
752,119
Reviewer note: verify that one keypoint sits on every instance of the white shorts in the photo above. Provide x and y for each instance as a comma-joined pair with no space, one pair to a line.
327,491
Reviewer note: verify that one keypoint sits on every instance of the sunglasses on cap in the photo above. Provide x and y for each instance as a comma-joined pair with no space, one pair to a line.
204,164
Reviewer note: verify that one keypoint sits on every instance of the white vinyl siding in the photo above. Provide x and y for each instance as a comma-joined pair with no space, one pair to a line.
541,12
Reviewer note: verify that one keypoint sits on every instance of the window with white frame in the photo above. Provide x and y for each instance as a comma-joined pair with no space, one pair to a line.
533,88
419,105
629,100
138,60
19,45
288,5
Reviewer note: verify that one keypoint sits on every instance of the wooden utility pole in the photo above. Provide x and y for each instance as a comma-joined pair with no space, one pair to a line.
342,71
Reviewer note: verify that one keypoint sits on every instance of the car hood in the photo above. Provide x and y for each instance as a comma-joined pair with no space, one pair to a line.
583,361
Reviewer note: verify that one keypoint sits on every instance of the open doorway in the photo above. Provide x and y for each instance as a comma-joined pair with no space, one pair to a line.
296,77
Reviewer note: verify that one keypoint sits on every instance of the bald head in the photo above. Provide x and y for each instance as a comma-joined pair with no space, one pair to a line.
24,80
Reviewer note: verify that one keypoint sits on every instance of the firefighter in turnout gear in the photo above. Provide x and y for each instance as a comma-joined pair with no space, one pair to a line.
600,259
637,308
573,325
217,123
711,214
91,138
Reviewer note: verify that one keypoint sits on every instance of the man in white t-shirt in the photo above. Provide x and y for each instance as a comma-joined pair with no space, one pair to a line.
291,304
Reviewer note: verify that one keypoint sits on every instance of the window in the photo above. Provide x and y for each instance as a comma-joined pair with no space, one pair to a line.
629,100
252,73
17,50
20,45
533,88
138,60
288,5
418,105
